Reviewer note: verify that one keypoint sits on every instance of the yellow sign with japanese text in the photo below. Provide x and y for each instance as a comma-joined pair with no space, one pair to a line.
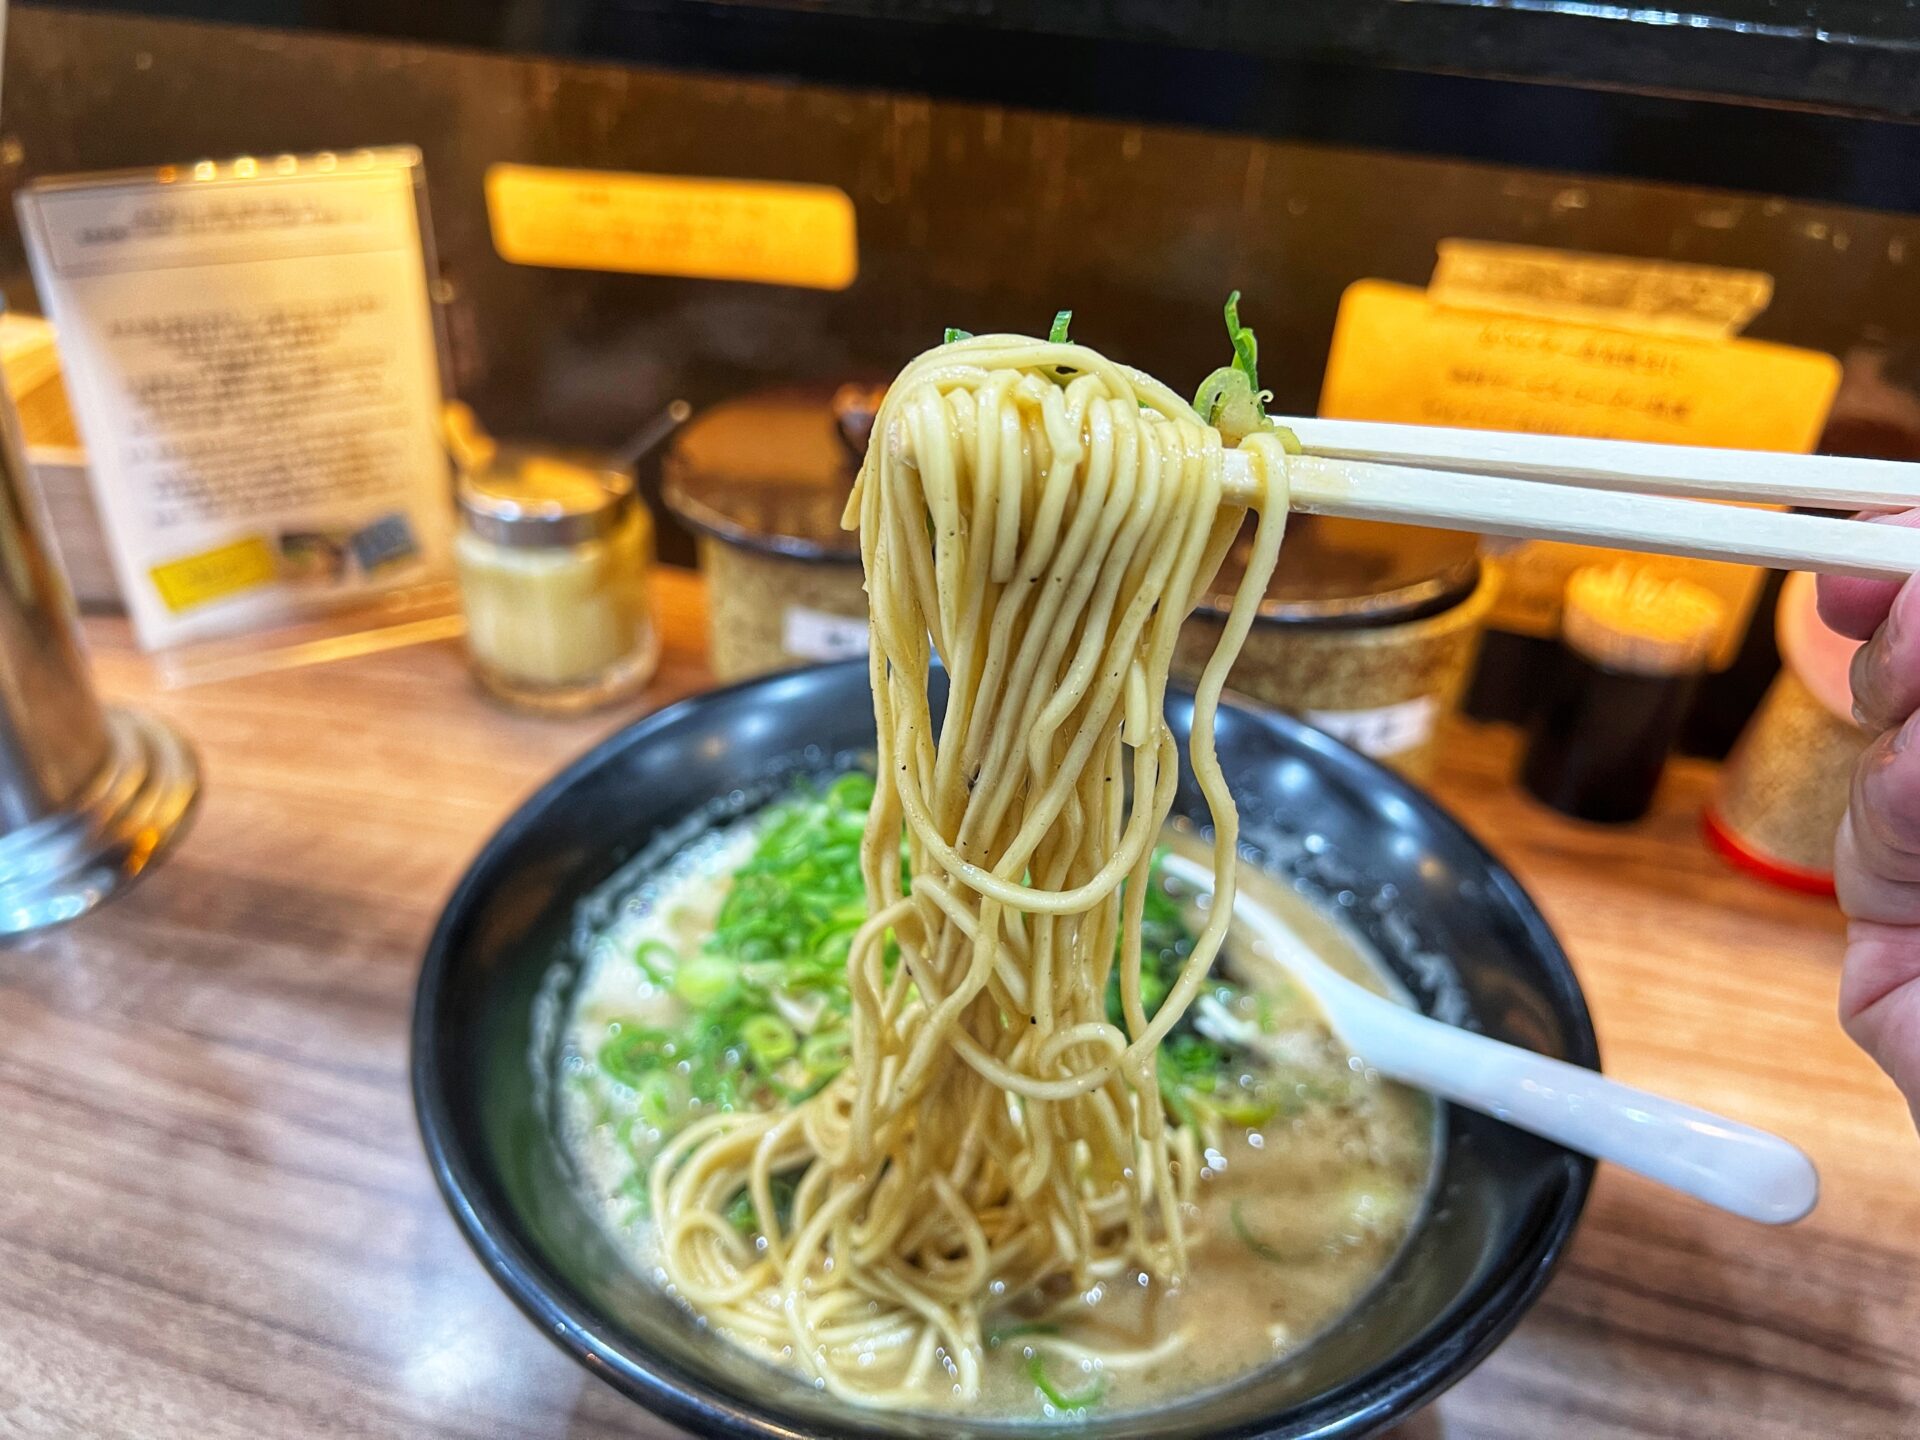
769,232
1518,339
1399,355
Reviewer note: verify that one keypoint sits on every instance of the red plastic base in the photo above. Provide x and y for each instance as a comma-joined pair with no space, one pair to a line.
1775,872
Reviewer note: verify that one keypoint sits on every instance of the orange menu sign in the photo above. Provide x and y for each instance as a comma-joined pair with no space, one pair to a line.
1400,355
1553,343
710,229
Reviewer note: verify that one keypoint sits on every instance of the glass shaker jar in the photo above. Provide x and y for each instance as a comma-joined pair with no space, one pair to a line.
553,557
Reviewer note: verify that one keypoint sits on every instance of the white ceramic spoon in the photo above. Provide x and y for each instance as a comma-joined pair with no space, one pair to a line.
1734,1166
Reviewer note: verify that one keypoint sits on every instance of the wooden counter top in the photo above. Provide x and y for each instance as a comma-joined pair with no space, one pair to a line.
216,1221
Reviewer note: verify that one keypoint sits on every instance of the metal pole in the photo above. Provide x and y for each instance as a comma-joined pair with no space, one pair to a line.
89,796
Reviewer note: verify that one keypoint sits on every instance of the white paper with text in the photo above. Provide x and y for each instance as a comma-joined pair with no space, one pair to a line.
252,365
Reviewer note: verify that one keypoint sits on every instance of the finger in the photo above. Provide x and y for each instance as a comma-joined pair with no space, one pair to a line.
1884,802
1876,871
1886,670
1869,886
1856,608
1880,1001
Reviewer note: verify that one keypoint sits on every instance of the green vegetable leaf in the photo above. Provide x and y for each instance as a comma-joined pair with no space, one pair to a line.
655,959
1058,1398
1061,320
1272,1254
1246,349
769,1039
631,1053
1230,399
740,1212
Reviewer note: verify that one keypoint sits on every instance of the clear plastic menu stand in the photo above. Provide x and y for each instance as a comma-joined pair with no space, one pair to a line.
252,356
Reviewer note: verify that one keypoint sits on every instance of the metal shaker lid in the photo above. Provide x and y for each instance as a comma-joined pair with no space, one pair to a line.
533,500
771,471
1338,572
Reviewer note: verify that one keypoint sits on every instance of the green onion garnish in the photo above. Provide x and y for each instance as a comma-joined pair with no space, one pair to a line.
632,1053
1272,1254
1058,1398
824,1053
769,1039
705,980
1230,399
778,949
655,959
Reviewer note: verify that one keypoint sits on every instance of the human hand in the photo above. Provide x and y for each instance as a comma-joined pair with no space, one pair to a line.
1876,867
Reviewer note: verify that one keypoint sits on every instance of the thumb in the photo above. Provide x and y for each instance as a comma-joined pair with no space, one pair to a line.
1853,607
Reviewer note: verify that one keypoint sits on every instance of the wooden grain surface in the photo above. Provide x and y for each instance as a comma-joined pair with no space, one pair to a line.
215,1219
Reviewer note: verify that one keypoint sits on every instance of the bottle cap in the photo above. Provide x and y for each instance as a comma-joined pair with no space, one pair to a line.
1625,617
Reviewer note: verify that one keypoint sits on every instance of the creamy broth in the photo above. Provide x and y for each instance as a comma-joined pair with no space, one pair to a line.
1298,1212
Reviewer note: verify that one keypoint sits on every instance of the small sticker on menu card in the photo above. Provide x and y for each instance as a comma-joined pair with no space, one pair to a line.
815,635
214,574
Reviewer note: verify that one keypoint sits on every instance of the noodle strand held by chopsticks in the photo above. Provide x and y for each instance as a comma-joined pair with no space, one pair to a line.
1042,521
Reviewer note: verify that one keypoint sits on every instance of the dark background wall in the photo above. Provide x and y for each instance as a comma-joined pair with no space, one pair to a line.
974,214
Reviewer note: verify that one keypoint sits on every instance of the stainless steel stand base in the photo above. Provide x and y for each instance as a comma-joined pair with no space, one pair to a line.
59,868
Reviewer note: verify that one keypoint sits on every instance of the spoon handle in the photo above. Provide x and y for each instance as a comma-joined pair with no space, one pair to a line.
1736,1167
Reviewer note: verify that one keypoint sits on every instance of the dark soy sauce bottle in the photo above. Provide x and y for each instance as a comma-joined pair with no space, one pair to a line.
1632,649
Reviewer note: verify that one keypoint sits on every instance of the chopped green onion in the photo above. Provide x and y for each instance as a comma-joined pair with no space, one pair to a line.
824,1053
769,1039
654,1098
1058,1398
639,1197
1230,399
744,1218
783,934
1246,349
1239,1106
1272,1254
740,1213
631,1053
854,790
1061,320
705,980
953,335
656,959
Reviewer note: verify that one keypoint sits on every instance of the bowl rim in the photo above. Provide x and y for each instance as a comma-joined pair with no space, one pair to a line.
569,1321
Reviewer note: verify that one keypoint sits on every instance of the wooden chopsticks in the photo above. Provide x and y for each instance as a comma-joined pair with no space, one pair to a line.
1820,482
1617,494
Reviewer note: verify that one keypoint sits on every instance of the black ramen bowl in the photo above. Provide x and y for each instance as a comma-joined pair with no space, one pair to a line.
1443,913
